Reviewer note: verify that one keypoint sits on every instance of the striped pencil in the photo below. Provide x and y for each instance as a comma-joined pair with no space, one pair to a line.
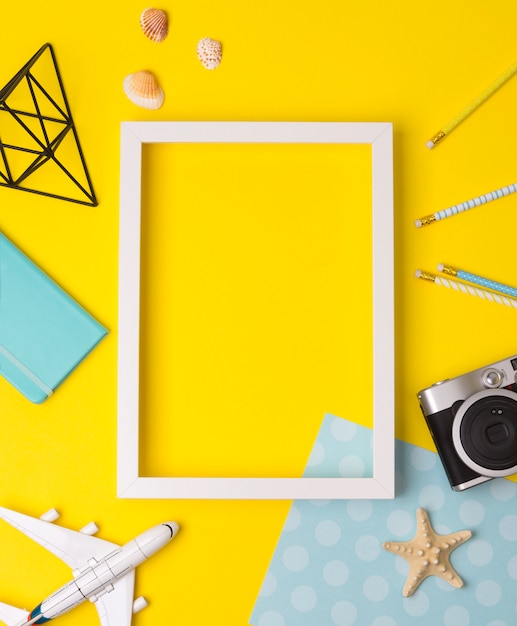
478,280
455,285
470,108
465,206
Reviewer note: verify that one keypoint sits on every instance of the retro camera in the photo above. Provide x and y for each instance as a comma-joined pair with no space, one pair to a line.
473,421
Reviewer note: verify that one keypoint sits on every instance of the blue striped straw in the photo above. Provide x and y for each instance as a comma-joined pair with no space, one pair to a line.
478,280
465,206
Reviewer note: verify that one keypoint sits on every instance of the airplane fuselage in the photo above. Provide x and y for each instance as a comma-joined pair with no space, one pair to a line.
99,577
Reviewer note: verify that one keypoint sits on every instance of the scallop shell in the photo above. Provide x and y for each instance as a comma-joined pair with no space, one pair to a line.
155,24
209,52
143,89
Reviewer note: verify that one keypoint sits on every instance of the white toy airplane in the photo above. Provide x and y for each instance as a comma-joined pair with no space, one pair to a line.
104,572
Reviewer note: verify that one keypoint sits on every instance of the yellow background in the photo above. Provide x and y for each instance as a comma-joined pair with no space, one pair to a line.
256,304
283,60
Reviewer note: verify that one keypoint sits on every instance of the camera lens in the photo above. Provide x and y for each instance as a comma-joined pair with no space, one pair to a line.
485,432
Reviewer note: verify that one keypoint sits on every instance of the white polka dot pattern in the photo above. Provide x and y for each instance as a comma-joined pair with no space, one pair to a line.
329,568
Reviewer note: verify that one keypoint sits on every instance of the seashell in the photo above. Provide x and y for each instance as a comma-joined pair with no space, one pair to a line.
143,89
155,24
209,52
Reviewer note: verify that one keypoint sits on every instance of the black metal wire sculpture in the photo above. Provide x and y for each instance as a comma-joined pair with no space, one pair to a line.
48,124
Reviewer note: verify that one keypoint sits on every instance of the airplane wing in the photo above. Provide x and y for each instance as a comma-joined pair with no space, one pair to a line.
71,546
11,615
116,607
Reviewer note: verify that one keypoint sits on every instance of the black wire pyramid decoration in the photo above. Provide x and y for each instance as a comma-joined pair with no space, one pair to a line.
38,135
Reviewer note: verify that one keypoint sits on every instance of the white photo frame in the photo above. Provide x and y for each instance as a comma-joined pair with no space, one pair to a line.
133,136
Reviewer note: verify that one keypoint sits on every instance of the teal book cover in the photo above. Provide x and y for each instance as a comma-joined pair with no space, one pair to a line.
44,333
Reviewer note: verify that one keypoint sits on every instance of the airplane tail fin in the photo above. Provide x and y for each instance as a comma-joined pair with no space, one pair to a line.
11,615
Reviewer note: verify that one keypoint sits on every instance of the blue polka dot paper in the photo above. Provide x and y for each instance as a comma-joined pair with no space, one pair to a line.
329,567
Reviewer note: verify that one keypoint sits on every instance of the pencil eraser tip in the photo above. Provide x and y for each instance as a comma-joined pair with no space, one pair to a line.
440,267
418,273
418,223
430,144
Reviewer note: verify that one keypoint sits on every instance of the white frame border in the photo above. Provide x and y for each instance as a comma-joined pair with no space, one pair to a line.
129,483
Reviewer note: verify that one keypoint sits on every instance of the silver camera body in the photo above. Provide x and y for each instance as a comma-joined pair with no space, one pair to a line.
473,422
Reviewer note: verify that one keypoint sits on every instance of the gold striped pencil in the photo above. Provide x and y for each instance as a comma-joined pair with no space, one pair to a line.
470,108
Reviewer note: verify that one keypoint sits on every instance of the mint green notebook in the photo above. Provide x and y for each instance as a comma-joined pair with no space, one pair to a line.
44,333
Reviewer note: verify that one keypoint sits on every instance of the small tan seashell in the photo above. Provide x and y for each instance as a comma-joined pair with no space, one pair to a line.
209,52
155,24
143,89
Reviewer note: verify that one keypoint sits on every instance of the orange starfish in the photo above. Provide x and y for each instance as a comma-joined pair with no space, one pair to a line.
428,554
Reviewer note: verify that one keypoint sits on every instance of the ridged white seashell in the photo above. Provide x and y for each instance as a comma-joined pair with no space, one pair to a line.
155,24
209,52
143,89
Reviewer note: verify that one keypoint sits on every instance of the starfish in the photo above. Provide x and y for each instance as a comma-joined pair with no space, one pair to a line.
428,554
